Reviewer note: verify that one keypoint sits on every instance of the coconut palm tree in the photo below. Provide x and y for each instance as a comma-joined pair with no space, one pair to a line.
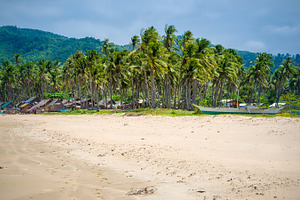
135,41
7,76
169,41
170,38
153,53
286,69
228,66
42,74
259,72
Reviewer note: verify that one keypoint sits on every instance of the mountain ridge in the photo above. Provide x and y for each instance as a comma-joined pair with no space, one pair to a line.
35,44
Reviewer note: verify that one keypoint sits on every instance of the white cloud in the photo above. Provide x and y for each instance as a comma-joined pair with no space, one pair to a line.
254,45
286,30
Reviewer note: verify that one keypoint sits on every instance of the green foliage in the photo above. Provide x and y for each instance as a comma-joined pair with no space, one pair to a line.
271,96
35,44
56,95
291,99
116,97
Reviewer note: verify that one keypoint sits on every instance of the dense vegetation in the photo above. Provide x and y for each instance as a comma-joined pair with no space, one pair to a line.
163,71
34,45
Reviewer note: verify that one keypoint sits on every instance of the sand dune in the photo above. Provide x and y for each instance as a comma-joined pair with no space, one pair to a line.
149,157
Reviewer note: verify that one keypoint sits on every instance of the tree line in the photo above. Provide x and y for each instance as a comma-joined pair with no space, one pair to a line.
160,71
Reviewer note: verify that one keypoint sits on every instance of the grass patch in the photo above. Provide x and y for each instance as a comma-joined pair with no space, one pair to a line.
165,112
147,111
79,112
160,111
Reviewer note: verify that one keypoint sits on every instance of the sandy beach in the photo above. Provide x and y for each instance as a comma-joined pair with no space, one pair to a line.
149,157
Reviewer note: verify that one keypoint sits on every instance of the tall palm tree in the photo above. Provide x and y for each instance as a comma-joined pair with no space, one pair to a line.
29,72
286,69
7,74
294,82
169,41
153,53
170,38
42,75
135,41
228,66
259,72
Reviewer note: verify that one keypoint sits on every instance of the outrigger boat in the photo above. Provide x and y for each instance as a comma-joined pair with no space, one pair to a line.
243,110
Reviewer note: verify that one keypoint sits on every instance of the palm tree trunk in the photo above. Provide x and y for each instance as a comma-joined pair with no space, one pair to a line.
205,90
195,91
259,93
179,96
111,92
188,94
250,100
132,91
153,90
220,93
281,84
97,97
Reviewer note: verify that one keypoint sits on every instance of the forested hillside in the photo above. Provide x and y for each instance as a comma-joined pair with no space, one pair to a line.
34,45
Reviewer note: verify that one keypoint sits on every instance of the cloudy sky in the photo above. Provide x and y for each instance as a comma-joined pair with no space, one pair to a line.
271,26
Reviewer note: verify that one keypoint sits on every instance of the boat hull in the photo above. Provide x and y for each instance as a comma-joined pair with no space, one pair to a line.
217,111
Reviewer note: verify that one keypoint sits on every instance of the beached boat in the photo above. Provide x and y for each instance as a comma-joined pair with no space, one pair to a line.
243,110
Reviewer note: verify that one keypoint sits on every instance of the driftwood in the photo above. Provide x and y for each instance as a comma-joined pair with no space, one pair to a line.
142,191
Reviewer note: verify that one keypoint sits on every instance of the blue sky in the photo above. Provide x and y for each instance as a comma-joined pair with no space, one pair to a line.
271,26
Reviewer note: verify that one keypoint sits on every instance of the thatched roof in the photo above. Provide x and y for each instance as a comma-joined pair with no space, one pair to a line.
54,101
19,104
32,99
40,104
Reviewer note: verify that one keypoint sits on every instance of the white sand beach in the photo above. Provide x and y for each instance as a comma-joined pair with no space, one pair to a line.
149,157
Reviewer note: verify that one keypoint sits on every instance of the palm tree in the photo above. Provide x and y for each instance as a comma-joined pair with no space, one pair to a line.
170,38
42,74
29,73
18,61
294,83
169,41
259,72
286,69
152,52
79,69
106,47
135,41
228,66
7,75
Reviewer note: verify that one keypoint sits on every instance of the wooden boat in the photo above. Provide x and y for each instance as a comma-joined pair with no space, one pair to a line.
244,110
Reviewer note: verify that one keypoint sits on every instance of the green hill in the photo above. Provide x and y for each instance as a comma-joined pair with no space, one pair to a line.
36,44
